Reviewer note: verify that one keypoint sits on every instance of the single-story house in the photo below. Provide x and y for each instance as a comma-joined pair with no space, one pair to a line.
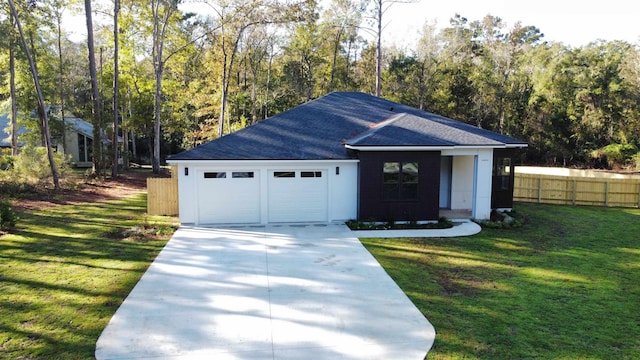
344,156
78,137
5,129
79,141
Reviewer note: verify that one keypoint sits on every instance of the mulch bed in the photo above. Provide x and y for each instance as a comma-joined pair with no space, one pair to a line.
86,191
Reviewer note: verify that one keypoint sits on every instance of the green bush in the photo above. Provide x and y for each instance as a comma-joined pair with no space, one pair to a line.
30,169
615,155
636,160
6,161
503,220
8,217
443,223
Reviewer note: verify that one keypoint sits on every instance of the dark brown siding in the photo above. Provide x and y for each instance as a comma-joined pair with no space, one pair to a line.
502,186
371,205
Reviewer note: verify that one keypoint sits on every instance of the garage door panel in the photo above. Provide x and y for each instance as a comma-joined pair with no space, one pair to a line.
229,199
298,199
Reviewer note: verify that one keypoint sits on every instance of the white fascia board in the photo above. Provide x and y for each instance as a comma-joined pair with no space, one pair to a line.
265,162
421,148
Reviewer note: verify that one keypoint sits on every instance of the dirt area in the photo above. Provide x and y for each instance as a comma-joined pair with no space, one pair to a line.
87,191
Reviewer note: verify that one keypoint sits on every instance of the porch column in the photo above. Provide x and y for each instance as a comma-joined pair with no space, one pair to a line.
482,184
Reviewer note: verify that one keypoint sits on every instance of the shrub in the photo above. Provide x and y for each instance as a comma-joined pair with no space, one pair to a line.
8,217
636,160
6,162
503,220
443,223
615,155
30,169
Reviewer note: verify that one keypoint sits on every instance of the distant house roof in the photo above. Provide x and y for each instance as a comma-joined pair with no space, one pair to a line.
325,127
80,126
5,131
77,124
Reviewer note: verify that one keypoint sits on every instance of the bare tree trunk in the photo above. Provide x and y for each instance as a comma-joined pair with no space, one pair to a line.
134,147
226,80
347,72
157,74
379,51
43,113
34,56
266,97
223,100
125,132
336,48
12,91
125,150
421,86
254,97
226,77
310,77
155,162
58,15
116,11
95,94
159,33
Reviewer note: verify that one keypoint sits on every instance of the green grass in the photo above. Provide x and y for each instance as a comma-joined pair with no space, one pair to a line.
64,271
565,286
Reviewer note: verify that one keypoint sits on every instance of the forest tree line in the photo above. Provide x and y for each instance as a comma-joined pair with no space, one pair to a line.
185,78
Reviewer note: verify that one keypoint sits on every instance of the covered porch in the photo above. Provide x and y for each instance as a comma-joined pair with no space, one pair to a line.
465,183
473,182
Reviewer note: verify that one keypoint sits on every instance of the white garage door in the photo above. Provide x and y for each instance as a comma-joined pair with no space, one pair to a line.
298,195
228,197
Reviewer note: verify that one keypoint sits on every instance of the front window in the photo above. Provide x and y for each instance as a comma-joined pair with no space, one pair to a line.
400,181
242,174
85,148
284,174
215,175
82,149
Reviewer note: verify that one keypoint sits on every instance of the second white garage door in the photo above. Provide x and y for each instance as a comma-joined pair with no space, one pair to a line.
297,196
228,197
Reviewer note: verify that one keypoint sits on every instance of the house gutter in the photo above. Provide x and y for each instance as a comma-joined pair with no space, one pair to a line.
263,161
432,148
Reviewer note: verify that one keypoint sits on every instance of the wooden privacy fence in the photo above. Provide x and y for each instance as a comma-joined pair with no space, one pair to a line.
576,190
162,195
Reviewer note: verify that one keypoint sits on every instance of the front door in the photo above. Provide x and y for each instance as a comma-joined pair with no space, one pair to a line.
503,178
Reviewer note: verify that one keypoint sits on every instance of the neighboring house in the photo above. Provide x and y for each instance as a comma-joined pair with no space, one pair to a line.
5,132
346,156
79,141
78,138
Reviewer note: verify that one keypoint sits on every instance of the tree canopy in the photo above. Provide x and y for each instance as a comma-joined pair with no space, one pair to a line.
188,78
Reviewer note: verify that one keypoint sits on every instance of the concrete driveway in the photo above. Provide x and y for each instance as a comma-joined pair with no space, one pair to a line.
274,292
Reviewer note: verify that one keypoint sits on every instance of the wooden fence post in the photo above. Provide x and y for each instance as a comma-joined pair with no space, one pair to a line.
539,190
606,193
573,193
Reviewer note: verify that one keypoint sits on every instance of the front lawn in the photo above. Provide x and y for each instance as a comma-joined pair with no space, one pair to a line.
566,285
65,270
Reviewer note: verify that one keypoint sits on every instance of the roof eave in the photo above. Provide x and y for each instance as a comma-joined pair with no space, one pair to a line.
274,161
428,148
516,146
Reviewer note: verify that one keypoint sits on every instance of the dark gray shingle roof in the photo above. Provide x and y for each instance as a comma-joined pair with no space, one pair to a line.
319,129
410,130
5,130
